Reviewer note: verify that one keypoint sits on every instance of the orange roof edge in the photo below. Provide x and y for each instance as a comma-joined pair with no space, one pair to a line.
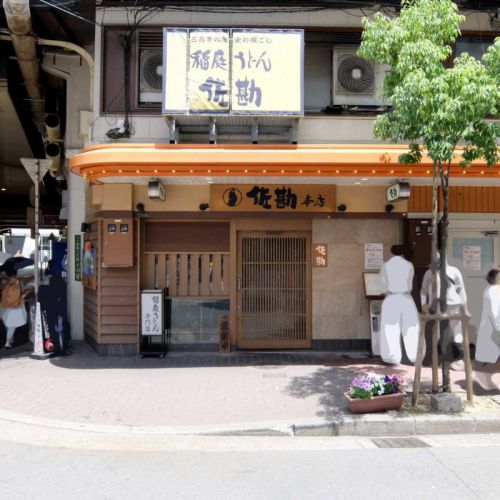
126,159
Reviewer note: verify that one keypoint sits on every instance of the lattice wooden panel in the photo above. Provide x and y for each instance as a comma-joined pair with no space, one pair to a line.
187,274
274,291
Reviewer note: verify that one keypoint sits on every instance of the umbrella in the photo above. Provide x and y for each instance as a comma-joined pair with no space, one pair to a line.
13,264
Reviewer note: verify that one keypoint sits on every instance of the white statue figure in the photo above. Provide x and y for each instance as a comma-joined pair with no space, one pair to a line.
455,297
399,315
488,337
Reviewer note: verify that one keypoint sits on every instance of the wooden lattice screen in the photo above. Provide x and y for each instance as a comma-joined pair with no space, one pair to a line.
187,274
274,295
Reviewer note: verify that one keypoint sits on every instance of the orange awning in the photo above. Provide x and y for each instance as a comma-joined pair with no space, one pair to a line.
159,160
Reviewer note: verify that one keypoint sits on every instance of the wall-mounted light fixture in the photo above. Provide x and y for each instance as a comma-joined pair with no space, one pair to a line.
156,191
85,227
140,210
204,206
389,208
341,208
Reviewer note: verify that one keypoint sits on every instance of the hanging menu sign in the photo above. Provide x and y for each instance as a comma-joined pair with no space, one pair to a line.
272,198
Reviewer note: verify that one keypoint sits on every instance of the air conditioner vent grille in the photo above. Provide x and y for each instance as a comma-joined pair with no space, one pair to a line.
355,75
151,70
150,40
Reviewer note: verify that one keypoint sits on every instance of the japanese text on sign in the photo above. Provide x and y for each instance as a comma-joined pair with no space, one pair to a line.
259,197
320,255
472,258
237,71
78,257
374,255
151,312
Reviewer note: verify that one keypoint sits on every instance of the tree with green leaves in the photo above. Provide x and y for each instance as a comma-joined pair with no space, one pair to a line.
437,103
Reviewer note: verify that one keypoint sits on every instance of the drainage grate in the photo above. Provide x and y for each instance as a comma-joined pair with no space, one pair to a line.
400,442
268,367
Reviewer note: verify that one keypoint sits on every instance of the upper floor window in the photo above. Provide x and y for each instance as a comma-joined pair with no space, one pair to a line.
473,45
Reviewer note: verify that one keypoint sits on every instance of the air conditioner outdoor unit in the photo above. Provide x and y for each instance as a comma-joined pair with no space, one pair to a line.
356,81
151,75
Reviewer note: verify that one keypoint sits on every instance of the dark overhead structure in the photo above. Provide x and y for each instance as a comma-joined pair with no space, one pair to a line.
286,5
23,107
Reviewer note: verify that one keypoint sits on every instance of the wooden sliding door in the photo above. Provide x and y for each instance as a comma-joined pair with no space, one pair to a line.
274,290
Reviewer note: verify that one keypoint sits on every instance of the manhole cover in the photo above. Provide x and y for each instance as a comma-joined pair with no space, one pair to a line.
400,442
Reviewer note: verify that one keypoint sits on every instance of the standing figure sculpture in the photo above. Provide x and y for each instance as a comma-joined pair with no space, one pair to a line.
455,297
488,337
399,315
450,332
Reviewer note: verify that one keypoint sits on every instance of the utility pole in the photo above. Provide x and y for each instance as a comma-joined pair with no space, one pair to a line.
36,169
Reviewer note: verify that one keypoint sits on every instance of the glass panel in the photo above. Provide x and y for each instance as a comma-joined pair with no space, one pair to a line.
196,320
486,246
475,47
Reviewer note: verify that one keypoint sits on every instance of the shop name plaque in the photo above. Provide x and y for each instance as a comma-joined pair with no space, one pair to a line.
320,255
272,198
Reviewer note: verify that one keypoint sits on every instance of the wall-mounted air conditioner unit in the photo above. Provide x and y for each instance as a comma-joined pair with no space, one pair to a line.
151,75
356,81
150,64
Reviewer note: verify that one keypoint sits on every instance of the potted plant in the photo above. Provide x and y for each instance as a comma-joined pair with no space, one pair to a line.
371,392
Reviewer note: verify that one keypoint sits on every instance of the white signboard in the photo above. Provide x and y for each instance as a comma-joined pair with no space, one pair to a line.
472,258
152,312
374,255
233,71
267,71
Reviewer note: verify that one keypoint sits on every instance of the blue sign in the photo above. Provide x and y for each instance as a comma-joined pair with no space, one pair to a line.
59,264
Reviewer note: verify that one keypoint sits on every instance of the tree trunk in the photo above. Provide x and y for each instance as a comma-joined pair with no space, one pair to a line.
433,306
445,332
443,241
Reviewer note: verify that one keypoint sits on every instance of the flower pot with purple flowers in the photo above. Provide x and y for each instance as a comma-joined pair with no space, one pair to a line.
371,393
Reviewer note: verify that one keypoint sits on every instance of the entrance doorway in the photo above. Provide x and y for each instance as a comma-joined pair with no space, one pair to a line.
274,290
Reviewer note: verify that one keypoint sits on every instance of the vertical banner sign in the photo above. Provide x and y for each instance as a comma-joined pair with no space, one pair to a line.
208,74
320,255
78,257
152,320
267,72
60,259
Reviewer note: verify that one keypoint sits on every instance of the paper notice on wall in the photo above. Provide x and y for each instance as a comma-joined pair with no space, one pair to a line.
472,258
374,255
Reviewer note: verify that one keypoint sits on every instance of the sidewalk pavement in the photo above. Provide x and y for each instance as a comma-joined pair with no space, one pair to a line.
242,393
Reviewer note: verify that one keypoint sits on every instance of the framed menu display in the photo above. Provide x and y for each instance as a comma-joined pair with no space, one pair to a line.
373,285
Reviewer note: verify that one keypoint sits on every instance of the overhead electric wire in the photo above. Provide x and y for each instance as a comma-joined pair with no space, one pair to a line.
288,7
70,12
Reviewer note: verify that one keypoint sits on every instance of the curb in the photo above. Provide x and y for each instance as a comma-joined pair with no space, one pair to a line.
388,424
380,425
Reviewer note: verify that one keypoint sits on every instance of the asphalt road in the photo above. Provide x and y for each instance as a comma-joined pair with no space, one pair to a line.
188,467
